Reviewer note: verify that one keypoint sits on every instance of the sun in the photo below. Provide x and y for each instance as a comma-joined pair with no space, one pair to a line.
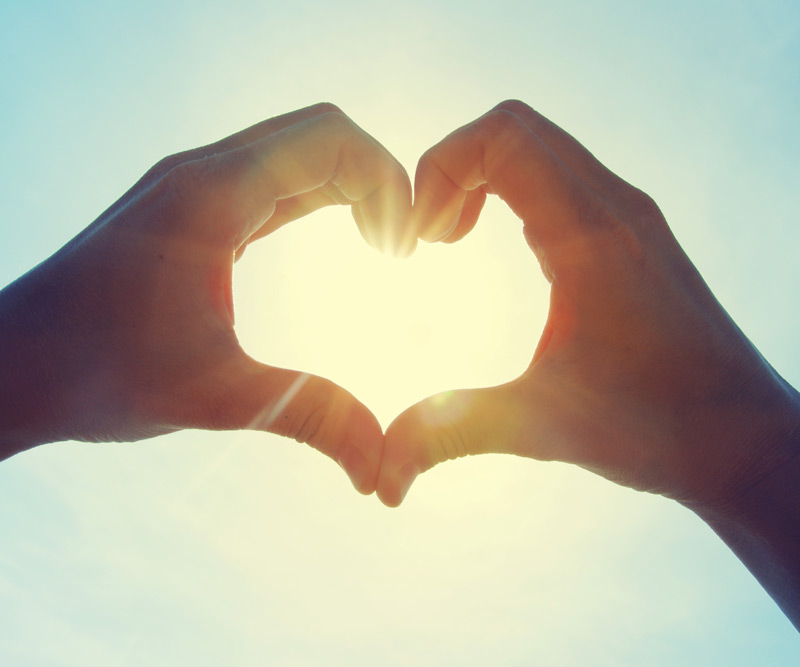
315,297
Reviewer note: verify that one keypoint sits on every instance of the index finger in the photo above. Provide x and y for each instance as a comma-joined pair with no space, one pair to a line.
498,153
325,154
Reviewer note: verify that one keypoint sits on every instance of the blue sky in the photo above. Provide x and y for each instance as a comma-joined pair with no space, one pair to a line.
247,549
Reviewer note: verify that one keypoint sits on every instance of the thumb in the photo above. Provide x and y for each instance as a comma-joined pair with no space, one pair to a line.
310,409
448,426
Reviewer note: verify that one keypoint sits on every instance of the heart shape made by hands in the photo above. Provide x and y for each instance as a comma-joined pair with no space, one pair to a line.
143,330
392,331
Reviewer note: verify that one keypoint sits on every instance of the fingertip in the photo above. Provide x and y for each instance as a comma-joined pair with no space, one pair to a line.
364,227
438,231
437,222
388,495
354,463
316,411
384,220
393,488
468,218
406,244
362,450
403,459
438,200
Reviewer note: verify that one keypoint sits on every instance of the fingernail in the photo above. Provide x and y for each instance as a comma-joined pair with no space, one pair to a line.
437,232
404,248
354,464
405,478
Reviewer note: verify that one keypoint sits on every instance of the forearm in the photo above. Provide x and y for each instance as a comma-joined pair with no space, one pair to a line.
762,523
29,368
22,403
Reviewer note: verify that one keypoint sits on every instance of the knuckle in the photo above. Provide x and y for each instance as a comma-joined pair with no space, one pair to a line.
505,141
327,107
336,122
168,196
185,177
182,188
190,194
500,122
429,158
644,206
513,106
165,165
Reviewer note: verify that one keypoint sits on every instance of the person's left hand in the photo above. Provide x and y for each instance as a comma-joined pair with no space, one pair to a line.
127,332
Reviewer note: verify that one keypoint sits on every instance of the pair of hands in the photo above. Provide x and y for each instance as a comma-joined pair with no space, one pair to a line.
639,375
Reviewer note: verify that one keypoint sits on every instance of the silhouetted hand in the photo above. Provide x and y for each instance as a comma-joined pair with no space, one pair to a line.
639,374
127,332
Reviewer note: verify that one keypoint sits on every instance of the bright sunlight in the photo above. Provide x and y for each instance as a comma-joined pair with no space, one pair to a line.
315,297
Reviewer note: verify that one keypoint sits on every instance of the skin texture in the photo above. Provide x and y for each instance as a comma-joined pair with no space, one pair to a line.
127,332
639,375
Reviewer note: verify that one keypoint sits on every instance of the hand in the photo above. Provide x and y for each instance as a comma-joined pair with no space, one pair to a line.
639,374
127,332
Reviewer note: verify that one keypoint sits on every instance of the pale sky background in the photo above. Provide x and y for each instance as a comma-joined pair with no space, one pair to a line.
209,548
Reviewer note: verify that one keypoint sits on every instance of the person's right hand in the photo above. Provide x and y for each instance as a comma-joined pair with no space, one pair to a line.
639,375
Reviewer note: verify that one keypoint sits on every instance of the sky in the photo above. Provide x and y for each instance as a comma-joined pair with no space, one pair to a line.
245,548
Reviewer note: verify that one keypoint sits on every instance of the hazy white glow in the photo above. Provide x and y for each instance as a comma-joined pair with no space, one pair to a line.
316,298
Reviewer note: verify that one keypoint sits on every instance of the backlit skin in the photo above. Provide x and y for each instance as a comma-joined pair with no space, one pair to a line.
127,332
640,375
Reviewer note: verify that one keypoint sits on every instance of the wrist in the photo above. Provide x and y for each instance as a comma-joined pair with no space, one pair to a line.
760,518
758,443
31,340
